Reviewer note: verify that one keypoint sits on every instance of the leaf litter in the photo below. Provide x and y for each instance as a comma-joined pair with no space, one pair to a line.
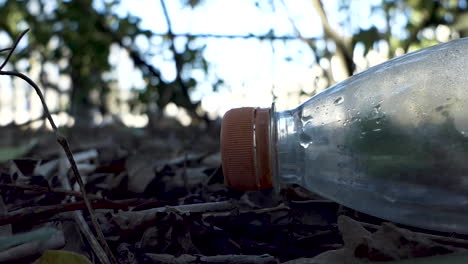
159,197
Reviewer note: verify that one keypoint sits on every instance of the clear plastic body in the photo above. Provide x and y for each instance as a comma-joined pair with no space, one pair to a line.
391,141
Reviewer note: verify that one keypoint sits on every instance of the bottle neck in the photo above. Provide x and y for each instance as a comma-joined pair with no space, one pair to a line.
285,154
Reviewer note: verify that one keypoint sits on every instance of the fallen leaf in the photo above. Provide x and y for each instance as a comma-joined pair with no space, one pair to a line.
14,240
456,258
141,172
342,256
9,153
62,257
28,245
352,231
388,242
5,230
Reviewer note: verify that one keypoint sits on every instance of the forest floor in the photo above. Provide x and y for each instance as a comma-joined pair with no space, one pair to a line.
159,197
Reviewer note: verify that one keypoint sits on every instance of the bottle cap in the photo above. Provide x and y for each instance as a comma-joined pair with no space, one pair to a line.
245,150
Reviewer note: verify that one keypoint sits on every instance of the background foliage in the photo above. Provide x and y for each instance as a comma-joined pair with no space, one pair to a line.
76,38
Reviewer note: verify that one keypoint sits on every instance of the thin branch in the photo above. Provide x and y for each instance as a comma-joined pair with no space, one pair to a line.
39,93
129,220
329,31
229,259
179,63
36,212
309,41
64,143
84,227
41,189
342,49
166,16
166,96
12,49
5,49
88,234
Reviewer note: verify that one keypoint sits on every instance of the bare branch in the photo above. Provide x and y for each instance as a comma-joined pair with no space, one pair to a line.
168,93
309,41
39,93
179,63
45,211
342,49
12,49
41,189
229,259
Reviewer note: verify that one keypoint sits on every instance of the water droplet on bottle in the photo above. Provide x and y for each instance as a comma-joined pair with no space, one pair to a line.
341,165
439,108
306,119
377,130
363,133
339,100
322,141
341,147
305,140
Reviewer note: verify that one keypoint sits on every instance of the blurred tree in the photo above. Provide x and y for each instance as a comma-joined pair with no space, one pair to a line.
424,21
77,38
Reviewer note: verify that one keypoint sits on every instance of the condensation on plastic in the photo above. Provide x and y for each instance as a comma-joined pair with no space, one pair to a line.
391,141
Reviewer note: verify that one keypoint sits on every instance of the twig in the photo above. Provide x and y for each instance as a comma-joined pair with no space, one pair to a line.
308,41
37,212
281,207
132,219
5,49
88,234
342,49
185,208
12,49
64,143
229,259
41,97
60,191
84,227
40,189
165,97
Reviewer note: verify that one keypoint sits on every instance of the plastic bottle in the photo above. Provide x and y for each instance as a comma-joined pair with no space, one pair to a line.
391,141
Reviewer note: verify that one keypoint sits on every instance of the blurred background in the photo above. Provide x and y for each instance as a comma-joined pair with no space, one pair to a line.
137,62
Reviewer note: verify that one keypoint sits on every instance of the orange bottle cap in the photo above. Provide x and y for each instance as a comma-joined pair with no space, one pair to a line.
245,150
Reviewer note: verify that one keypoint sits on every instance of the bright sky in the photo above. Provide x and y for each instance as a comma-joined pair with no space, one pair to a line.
249,68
